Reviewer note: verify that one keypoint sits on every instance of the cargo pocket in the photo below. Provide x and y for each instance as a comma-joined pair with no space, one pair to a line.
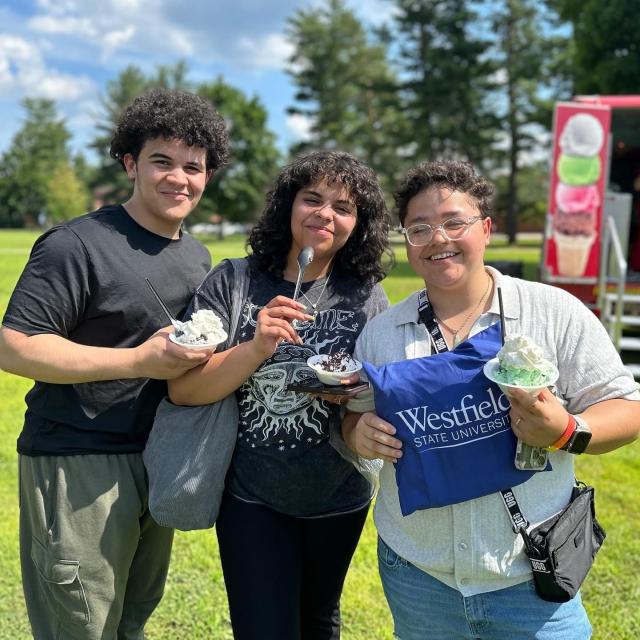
61,585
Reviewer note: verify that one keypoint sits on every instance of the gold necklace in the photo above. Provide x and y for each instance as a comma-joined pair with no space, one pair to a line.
454,334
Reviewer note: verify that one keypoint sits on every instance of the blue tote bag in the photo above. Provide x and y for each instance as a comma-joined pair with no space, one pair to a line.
453,422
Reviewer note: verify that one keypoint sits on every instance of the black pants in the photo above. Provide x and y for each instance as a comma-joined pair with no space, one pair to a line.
284,575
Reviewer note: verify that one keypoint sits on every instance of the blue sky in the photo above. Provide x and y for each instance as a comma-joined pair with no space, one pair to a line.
68,50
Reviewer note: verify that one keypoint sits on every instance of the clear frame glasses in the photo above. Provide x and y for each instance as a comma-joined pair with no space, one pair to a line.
452,229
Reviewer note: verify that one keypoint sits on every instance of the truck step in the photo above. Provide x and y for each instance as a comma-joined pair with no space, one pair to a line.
631,298
628,343
630,321
635,369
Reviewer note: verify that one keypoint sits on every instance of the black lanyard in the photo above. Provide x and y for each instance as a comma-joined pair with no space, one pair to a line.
428,319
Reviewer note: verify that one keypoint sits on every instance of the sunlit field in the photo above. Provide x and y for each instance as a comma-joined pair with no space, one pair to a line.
194,606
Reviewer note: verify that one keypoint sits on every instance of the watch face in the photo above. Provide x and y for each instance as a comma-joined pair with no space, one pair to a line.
579,441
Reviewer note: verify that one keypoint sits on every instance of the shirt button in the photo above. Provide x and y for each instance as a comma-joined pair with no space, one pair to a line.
462,546
464,581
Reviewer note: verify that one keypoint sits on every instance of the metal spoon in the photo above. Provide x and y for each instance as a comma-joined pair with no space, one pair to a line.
304,259
178,326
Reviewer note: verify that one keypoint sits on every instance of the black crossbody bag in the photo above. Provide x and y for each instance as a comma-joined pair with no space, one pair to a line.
562,548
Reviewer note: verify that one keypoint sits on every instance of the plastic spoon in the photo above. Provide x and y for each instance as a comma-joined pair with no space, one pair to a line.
178,326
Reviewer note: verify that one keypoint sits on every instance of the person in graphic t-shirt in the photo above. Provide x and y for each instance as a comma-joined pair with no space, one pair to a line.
83,324
293,509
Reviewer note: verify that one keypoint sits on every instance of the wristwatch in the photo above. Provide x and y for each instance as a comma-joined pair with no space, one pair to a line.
580,438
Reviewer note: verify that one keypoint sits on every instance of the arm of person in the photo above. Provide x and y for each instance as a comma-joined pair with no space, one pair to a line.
51,358
226,371
542,420
371,437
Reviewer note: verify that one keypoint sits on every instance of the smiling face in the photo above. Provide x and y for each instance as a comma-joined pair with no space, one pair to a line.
323,217
169,179
445,264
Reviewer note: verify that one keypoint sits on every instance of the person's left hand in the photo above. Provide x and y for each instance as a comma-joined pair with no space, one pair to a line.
339,398
537,420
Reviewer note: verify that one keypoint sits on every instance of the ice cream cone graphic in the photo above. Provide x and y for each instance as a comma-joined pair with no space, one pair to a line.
573,253
577,198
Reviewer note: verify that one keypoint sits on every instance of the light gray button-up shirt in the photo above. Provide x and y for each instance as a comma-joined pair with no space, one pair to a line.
471,546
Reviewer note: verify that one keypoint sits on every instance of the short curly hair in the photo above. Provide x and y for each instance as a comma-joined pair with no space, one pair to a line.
173,115
366,255
449,174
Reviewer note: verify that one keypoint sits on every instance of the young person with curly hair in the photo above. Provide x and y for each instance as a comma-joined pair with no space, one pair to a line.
82,323
455,568
293,509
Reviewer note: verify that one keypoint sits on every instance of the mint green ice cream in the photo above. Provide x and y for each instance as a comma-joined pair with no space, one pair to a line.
522,363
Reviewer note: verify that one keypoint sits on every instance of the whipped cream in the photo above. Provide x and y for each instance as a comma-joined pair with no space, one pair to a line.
204,327
522,362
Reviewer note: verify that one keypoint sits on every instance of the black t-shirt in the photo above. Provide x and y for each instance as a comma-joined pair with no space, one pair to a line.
85,282
283,457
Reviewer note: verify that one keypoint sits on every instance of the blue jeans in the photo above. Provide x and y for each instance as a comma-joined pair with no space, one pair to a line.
424,608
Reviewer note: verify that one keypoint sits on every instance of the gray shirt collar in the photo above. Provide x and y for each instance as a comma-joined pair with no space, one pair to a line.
406,312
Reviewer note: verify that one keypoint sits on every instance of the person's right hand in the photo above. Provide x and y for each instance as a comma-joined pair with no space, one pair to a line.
274,325
161,359
372,437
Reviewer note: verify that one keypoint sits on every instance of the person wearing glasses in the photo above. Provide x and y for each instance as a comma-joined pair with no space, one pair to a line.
458,570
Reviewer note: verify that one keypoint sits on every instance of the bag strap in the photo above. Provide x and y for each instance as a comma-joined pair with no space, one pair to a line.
519,522
240,285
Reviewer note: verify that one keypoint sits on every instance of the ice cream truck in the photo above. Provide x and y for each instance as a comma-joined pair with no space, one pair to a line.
592,230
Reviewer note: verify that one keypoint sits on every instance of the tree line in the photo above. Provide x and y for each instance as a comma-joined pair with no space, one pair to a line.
472,80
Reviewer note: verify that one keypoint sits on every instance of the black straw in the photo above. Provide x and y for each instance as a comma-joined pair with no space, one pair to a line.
159,299
502,330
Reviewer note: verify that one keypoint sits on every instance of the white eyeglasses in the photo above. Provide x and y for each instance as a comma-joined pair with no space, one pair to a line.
452,229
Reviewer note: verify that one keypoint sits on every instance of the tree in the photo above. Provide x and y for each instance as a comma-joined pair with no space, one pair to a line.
346,88
527,62
130,83
67,196
606,44
447,80
26,167
236,192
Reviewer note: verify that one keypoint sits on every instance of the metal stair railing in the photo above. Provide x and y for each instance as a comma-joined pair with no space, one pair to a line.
611,240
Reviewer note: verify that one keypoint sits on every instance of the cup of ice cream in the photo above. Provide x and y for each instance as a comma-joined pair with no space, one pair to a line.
520,364
332,368
203,330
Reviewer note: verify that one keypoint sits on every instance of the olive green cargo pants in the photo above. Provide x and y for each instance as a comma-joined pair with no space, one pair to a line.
94,563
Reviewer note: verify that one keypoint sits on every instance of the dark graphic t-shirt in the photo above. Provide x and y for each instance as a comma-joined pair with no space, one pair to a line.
283,457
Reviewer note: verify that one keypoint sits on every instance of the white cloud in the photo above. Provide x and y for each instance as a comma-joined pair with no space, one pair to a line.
63,25
299,126
113,40
269,52
23,71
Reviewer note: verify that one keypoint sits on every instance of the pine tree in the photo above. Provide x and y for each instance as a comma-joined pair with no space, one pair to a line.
346,88
447,80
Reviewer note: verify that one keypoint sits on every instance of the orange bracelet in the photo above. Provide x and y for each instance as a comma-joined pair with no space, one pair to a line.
566,434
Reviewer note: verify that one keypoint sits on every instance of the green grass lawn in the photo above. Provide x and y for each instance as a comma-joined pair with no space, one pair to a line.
194,605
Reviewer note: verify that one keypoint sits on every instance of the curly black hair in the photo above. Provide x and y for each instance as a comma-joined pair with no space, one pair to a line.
173,115
450,174
366,255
